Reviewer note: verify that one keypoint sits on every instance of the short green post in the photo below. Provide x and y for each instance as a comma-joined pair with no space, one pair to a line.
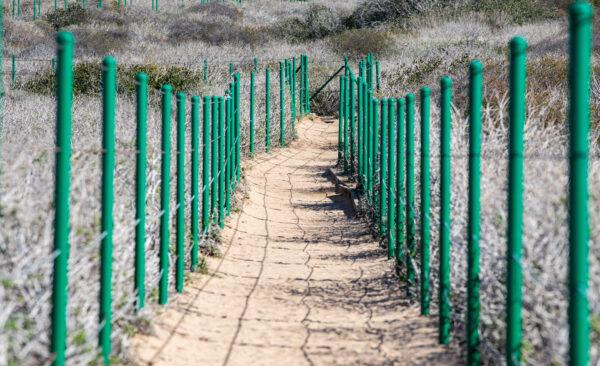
425,200
400,192
140,188
391,225
221,162
252,113
281,104
267,110
109,82
194,179
205,164
163,291
579,123
517,113
473,228
410,191
444,263
180,218
383,167
255,61
62,178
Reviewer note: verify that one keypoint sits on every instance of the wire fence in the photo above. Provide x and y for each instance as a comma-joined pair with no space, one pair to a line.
377,148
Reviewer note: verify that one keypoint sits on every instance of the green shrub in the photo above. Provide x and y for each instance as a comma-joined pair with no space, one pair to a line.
101,42
73,14
356,43
87,78
376,12
319,22
519,11
214,33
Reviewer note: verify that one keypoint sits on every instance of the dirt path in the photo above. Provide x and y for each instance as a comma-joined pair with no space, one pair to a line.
299,282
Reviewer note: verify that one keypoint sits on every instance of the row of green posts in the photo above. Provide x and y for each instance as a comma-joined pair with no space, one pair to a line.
376,145
221,157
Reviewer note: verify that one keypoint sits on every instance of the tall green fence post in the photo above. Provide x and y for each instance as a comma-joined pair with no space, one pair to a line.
400,192
383,167
14,72
221,162
444,263
517,112
425,200
281,104
473,280
410,191
214,154
194,179
391,226
359,135
375,182
180,225
252,113
140,190
238,131
378,75
345,118
163,290
579,121
229,144
205,164
109,82
341,120
267,110
351,126
62,178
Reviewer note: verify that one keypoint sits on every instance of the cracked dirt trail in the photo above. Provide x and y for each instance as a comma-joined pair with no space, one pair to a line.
299,282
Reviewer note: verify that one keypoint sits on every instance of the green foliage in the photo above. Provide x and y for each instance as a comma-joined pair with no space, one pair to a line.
319,22
519,11
73,14
356,43
87,78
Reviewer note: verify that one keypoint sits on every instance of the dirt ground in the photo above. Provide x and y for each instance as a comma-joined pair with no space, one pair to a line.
299,282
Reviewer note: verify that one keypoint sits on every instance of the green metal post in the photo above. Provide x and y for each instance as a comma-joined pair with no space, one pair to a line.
205,164
205,71
400,192
359,135
444,264
375,182
579,123
252,113
163,291
214,155
293,97
345,119
351,110
473,280
237,121
383,174
378,75
425,200
410,191
281,105
64,104
14,72
194,180
517,112
140,190
180,218
255,61
341,120
109,82
221,162
267,110
229,143
391,184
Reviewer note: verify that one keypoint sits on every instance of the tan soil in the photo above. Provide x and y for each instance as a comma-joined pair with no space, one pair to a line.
299,282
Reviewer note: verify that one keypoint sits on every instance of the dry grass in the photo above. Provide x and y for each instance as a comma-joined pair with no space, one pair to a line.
422,50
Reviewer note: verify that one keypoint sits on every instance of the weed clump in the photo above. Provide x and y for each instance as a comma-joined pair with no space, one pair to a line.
214,10
214,33
73,14
355,43
87,78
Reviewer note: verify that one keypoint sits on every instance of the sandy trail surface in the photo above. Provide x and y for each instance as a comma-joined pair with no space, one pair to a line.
299,281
